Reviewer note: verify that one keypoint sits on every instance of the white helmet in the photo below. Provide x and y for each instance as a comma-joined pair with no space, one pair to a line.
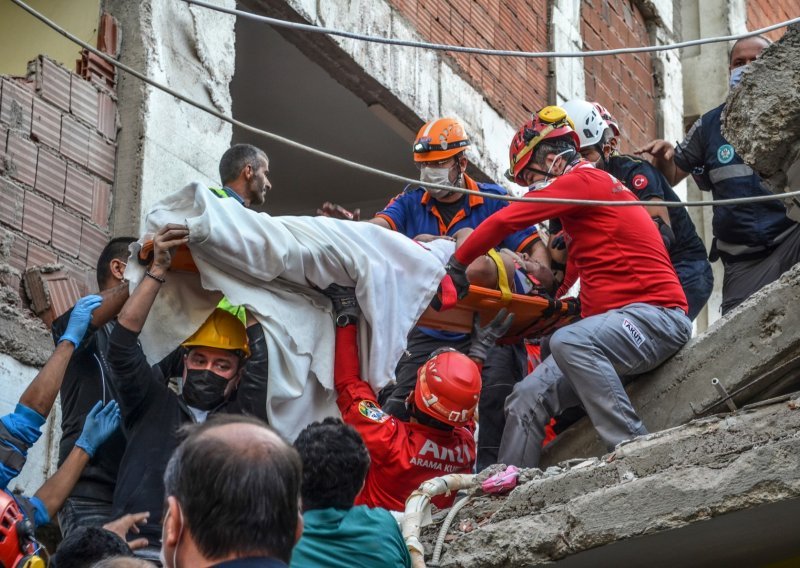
589,125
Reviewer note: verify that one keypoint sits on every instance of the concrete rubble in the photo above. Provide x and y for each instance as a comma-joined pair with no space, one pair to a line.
648,488
762,117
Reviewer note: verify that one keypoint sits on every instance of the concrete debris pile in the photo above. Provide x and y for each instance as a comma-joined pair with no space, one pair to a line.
762,118
655,488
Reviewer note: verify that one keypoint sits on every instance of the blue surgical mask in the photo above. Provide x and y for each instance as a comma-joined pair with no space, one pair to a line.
736,75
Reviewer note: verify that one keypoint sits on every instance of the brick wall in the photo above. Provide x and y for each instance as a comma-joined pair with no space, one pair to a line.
57,142
623,84
762,13
514,87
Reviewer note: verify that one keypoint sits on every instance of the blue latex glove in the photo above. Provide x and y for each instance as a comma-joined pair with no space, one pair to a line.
100,423
79,319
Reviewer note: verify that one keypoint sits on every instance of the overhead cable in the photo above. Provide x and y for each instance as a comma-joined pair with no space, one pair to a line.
477,50
368,169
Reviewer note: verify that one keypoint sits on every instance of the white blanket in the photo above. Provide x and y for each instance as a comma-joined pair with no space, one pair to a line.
271,264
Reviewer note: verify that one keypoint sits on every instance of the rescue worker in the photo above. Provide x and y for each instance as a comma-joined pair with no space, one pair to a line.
439,437
756,242
686,251
243,170
224,371
633,307
421,213
20,429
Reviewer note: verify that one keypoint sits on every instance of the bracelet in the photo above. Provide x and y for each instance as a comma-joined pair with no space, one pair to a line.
154,277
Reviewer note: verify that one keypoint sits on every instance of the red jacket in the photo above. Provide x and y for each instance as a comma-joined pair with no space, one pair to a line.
403,454
617,251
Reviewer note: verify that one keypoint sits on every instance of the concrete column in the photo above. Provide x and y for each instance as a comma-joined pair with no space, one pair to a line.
164,144
570,82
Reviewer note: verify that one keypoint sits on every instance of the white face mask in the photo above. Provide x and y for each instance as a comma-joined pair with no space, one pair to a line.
736,75
549,177
439,176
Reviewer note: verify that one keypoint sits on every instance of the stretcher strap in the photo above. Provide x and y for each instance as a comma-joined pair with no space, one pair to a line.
502,276
447,296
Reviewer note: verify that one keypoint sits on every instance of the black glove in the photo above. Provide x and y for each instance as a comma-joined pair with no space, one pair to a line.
458,274
484,338
666,232
345,305
558,241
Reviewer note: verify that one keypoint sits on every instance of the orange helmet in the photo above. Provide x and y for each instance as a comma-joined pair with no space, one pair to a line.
550,122
440,139
448,387
222,330
605,115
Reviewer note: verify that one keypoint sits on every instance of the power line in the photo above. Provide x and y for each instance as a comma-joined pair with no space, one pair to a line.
477,50
367,169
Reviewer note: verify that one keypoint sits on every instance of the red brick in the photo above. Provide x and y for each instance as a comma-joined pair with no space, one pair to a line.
84,100
19,253
37,220
16,105
39,256
3,139
11,204
23,154
51,175
74,140
66,232
80,274
52,82
79,192
101,204
107,116
93,240
46,123
102,156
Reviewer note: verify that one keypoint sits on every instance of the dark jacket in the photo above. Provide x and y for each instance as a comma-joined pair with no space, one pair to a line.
741,232
87,380
152,415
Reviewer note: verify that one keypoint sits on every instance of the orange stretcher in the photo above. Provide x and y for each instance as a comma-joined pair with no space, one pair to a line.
182,260
534,316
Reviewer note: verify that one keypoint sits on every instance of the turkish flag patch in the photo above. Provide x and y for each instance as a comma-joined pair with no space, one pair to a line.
639,182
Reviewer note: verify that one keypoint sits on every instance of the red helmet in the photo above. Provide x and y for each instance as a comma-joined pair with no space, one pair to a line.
15,548
605,115
550,122
448,387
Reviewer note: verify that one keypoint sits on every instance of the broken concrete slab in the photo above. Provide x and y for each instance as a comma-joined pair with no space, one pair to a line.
657,491
762,115
753,351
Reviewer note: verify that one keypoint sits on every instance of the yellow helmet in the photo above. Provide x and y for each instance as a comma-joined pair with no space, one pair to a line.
221,330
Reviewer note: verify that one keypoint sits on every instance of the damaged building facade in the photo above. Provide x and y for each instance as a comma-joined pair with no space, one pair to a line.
87,150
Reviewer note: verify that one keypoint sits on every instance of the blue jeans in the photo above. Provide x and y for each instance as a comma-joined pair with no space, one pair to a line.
82,512
697,281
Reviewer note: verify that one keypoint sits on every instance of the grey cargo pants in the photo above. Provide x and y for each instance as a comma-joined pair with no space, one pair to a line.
584,369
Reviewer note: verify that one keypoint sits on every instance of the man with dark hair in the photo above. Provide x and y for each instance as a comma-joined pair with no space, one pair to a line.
232,497
337,533
756,242
243,170
87,545
633,306
87,380
223,371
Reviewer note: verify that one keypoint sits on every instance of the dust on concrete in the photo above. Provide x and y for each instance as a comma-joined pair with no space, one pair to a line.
663,481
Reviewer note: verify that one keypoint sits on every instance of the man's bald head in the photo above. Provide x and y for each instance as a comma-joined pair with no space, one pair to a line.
744,51
238,486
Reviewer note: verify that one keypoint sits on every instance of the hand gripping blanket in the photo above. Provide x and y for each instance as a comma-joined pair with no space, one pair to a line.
275,266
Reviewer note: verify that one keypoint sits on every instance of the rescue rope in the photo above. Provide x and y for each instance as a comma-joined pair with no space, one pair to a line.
375,171
477,50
